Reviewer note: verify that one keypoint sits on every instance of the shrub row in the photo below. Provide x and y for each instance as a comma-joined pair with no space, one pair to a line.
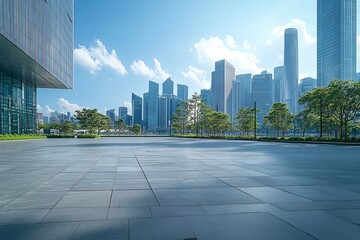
72,136
7,137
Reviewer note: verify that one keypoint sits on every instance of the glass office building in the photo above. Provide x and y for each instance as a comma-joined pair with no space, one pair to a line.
36,49
136,109
336,40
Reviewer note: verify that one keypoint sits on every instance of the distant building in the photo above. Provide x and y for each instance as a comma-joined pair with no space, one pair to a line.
221,80
168,87
153,106
241,93
262,94
358,77
40,118
128,120
136,109
145,110
111,114
163,113
279,80
306,85
336,40
54,119
123,111
182,92
205,95
291,69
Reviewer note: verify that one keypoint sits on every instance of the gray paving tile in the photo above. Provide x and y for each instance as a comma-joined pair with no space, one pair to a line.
323,205
243,226
321,225
186,183
133,198
76,214
241,182
273,195
239,208
129,212
22,216
43,231
131,184
104,230
202,196
85,199
177,211
350,215
94,185
159,229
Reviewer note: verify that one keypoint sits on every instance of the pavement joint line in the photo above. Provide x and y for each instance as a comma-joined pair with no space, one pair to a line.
152,190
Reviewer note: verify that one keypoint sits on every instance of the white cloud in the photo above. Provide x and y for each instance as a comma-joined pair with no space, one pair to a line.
278,31
39,109
197,75
269,43
96,57
65,106
129,107
47,111
214,48
140,68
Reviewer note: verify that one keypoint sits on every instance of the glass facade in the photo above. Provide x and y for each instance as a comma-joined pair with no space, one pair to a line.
291,69
279,84
241,96
262,94
153,106
182,92
36,49
136,109
336,42
168,87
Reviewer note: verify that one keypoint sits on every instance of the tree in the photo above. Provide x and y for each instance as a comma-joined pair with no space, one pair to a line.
136,129
194,109
279,118
119,125
245,120
219,122
179,119
92,121
337,104
67,127
306,120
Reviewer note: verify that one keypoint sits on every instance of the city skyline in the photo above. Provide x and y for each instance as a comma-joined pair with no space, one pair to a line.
188,56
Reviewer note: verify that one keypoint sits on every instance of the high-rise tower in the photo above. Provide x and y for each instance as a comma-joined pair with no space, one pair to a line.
336,40
291,69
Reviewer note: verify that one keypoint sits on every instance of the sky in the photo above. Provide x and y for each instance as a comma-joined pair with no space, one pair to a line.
120,45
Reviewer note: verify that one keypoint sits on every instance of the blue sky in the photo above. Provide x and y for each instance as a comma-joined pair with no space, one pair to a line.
120,45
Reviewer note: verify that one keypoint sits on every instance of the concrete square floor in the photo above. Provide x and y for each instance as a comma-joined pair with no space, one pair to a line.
171,188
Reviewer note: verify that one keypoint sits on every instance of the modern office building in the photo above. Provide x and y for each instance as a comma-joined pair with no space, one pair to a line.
36,51
182,92
111,114
241,93
336,40
262,93
145,110
153,106
291,69
163,112
306,85
279,84
123,111
205,95
168,87
221,80
136,109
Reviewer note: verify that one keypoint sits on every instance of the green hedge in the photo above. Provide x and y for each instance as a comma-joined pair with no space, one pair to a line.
72,136
7,137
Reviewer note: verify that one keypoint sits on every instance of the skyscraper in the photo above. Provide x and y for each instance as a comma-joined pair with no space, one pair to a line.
306,85
206,96
262,94
291,69
36,51
182,92
279,84
336,40
163,112
136,109
153,106
123,113
168,87
111,114
241,92
145,110
222,79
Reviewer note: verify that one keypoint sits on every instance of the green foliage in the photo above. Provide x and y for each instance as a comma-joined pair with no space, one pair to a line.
92,120
279,118
136,129
7,137
338,104
72,136
179,120
246,120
